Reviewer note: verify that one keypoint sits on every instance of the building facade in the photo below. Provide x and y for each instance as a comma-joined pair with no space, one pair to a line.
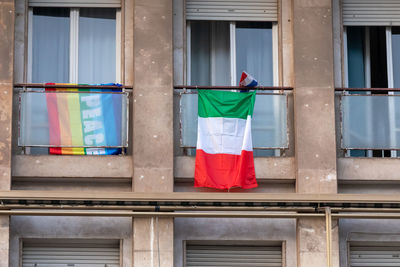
325,133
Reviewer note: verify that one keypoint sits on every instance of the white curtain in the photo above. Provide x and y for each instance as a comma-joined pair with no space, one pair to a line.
50,45
97,47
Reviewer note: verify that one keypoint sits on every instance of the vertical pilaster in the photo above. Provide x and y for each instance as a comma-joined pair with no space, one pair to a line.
314,113
153,125
6,92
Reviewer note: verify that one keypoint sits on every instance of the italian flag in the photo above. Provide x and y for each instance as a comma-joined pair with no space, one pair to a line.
224,153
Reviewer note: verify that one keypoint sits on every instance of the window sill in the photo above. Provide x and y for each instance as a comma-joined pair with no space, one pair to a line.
363,170
72,166
277,169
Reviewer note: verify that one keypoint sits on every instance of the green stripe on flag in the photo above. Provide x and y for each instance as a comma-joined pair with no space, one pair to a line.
226,104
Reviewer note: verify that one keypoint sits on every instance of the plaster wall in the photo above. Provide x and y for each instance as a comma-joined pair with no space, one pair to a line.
314,106
202,229
153,125
7,13
70,228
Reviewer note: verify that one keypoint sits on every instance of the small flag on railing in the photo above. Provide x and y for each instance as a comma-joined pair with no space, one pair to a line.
84,119
247,80
224,153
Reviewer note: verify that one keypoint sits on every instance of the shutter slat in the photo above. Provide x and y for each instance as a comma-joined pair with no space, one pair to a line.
382,256
75,3
79,254
371,12
232,10
221,255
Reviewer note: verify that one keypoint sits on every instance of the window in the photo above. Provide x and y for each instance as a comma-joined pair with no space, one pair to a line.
374,254
73,42
75,45
222,41
372,56
219,51
233,255
70,252
371,119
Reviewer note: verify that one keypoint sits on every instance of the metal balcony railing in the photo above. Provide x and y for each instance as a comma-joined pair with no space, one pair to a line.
73,116
369,118
270,118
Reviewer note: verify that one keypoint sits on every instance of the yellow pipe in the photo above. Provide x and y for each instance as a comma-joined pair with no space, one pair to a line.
328,221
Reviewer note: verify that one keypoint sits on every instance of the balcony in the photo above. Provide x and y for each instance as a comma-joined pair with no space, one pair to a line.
369,119
79,122
73,118
270,129
272,133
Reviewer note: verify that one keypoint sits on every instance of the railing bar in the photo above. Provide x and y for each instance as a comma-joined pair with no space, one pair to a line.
261,148
340,89
72,146
206,87
75,92
377,149
257,93
42,85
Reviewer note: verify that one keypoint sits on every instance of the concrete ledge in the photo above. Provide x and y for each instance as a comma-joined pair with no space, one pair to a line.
274,169
368,170
72,166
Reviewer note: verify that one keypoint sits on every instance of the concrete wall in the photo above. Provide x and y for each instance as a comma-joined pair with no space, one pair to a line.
153,47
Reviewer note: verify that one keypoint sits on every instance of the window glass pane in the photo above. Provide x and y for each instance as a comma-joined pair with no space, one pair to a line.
355,56
210,53
396,55
254,51
50,45
375,128
97,46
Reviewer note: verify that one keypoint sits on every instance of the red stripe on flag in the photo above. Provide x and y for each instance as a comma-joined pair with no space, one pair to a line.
224,171
54,123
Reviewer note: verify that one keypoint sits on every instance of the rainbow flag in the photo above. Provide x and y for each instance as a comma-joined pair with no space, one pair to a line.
84,119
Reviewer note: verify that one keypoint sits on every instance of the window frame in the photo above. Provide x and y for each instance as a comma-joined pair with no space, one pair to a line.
74,44
232,52
367,73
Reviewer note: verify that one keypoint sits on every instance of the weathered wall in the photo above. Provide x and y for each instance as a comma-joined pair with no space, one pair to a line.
6,93
70,227
153,125
314,105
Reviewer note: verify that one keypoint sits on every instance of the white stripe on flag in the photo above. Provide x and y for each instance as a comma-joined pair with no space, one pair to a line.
224,135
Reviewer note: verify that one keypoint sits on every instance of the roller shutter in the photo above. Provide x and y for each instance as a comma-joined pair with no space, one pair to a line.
371,12
219,255
374,256
76,3
71,254
232,10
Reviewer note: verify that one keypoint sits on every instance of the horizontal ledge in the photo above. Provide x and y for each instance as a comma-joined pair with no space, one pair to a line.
368,170
267,169
187,197
161,214
51,166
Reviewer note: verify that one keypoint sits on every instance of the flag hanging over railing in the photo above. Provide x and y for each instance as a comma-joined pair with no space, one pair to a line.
83,120
224,153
